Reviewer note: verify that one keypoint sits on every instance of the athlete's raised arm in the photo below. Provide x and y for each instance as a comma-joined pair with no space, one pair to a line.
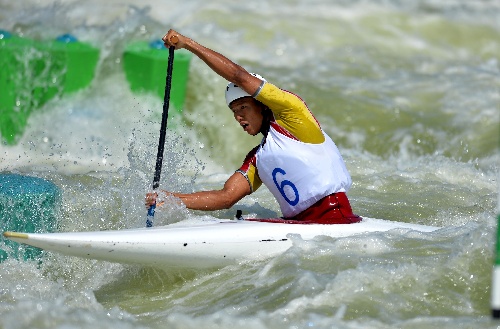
217,62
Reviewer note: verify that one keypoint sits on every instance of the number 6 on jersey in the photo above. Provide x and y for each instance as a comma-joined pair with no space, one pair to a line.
286,187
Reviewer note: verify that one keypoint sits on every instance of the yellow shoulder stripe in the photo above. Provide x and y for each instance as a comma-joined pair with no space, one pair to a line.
291,113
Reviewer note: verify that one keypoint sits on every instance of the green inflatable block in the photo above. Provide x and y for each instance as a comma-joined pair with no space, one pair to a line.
27,204
73,64
33,72
16,99
145,66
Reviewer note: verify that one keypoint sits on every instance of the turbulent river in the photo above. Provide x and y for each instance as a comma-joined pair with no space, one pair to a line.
408,90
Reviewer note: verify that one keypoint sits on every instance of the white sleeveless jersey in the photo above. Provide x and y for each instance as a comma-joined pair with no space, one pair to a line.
300,174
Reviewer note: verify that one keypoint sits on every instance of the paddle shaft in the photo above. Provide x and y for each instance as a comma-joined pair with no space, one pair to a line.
163,130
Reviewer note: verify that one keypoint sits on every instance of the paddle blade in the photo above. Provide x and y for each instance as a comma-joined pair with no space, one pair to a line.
151,215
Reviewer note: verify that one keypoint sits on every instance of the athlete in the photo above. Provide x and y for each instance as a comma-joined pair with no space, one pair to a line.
296,160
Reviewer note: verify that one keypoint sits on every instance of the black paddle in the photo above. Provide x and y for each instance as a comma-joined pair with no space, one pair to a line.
163,129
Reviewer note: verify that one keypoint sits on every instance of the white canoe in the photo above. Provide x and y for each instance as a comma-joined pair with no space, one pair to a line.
206,244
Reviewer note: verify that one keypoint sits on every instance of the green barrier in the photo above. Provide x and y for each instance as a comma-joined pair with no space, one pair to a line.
15,100
495,278
495,284
27,204
75,62
145,66
33,72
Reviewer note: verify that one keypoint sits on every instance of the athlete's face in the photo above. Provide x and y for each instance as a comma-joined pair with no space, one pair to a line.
248,112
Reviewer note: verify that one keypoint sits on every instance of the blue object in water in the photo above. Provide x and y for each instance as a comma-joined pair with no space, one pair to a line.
157,44
67,38
27,204
4,34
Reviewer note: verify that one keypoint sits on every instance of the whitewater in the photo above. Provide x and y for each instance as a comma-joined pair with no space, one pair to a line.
409,92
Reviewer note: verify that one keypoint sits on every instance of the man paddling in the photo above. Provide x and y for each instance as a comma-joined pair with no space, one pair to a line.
296,160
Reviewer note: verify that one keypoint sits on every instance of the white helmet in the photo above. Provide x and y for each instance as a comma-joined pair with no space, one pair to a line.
233,92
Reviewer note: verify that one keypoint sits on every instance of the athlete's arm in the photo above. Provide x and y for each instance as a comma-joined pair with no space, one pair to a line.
217,62
235,188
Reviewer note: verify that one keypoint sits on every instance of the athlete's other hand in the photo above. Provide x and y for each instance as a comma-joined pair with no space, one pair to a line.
150,199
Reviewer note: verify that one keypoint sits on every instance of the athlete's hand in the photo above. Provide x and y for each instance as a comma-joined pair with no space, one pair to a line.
156,198
150,199
153,198
174,39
